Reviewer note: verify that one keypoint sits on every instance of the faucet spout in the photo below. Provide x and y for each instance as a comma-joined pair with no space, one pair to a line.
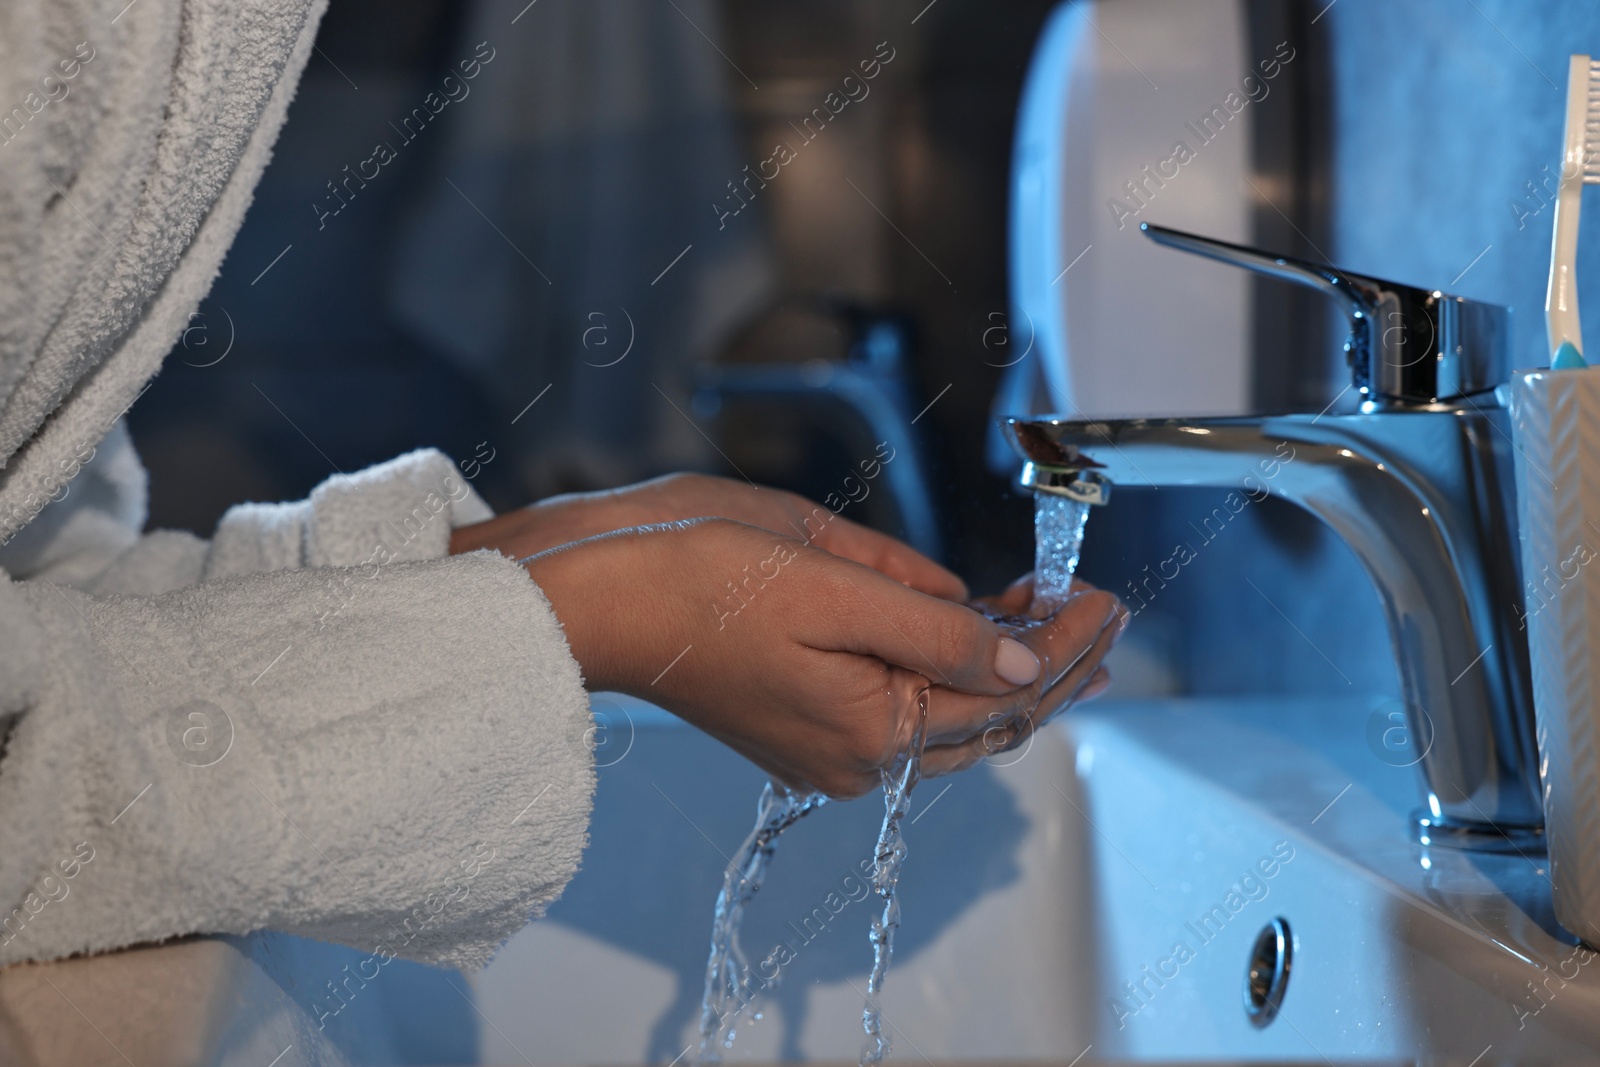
1421,500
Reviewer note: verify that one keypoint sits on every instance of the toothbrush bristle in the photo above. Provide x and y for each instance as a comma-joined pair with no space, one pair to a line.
1591,127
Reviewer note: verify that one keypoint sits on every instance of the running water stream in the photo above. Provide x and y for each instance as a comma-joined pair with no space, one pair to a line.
729,987
1059,523
899,778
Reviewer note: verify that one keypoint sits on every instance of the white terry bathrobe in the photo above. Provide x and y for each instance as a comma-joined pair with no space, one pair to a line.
318,722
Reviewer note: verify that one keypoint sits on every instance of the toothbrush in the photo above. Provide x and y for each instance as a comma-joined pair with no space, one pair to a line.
1580,166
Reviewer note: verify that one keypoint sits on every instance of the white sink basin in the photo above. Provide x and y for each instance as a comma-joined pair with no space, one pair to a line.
1400,952
1044,902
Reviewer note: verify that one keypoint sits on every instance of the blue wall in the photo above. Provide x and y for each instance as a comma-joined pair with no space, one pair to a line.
1445,110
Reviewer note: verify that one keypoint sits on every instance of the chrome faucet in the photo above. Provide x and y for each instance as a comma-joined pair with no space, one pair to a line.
1418,482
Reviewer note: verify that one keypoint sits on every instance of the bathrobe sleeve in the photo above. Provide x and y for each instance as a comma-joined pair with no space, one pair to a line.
317,723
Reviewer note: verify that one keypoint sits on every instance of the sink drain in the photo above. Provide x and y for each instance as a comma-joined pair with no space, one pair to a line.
1267,975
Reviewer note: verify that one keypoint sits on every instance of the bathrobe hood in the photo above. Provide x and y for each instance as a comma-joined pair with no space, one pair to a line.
132,136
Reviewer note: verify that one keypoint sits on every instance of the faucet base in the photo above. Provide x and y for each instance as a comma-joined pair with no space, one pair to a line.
1431,829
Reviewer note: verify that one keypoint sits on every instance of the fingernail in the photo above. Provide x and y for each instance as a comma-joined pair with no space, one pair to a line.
1015,662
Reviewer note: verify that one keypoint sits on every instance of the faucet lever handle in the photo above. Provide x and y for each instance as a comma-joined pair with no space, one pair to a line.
1406,345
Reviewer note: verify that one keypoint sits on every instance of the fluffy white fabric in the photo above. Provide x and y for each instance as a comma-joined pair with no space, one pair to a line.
119,201
334,732
317,723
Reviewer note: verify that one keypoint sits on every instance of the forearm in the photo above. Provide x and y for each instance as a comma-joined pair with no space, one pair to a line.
340,773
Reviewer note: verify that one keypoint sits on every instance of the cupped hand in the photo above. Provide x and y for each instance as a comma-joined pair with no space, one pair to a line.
1071,647
807,663
574,516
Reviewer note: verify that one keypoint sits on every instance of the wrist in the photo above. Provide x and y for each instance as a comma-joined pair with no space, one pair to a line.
576,579
547,525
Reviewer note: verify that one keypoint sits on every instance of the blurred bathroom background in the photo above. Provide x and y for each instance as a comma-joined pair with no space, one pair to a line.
570,280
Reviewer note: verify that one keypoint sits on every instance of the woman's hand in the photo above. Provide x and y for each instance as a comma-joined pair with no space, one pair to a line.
1072,670
805,662
575,516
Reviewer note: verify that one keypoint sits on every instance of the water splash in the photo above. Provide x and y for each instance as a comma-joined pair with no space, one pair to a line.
899,778
729,985
1058,523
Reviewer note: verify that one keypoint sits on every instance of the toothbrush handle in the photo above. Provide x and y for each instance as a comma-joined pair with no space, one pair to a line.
1561,299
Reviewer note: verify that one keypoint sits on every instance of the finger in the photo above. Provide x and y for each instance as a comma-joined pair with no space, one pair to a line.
1072,639
950,758
1088,673
884,554
1098,684
948,643
1014,600
1061,639
1072,690
1085,682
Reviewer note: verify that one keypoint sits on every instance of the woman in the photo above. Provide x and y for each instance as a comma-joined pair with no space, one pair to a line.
358,717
